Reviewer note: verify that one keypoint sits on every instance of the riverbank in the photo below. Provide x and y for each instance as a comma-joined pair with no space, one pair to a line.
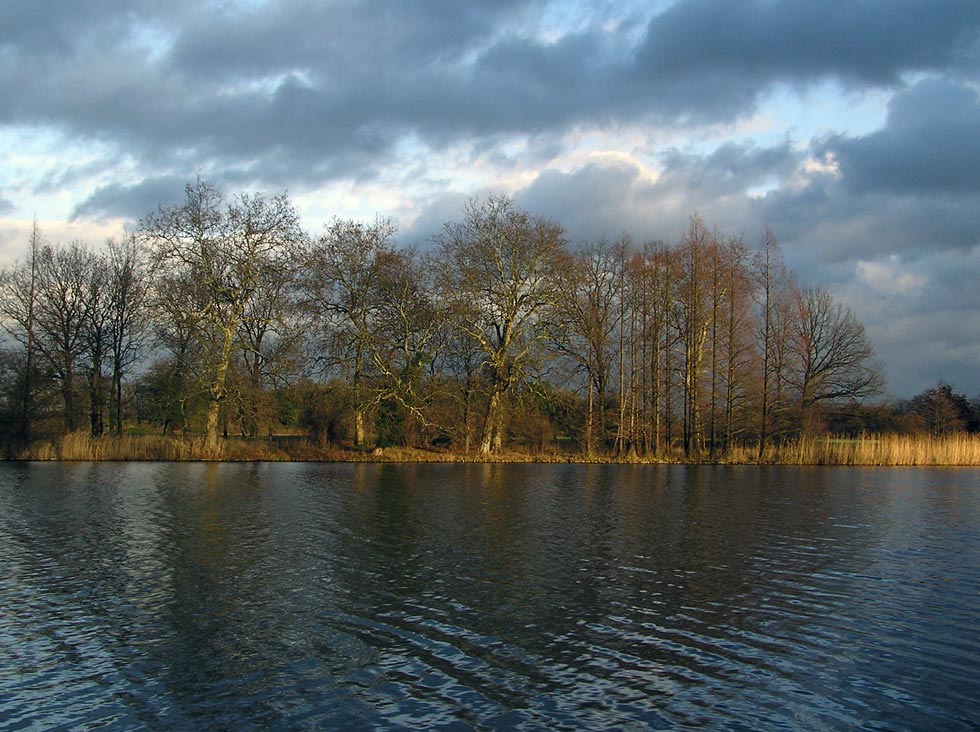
885,450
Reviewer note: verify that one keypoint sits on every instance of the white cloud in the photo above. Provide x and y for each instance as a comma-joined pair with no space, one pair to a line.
890,277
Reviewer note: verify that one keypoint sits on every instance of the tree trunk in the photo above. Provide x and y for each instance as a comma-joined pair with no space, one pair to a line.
68,396
491,441
589,448
96,418
360,435
217,390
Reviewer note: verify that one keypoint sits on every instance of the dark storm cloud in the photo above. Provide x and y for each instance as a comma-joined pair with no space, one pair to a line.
339,39
602,199
759,40
730,168
131,201
930,144
311,91
5,206
911,186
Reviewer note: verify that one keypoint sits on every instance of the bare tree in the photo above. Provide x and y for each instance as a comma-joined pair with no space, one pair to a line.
626,362
942,410
587,317
655,273
833,359
97,336
128,285
694,322
18,301
178,303
498,276
224,247
774,289
270,337
737,339
339,284
407,318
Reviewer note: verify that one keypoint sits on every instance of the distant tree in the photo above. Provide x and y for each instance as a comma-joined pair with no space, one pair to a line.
832,358
942,410
498,275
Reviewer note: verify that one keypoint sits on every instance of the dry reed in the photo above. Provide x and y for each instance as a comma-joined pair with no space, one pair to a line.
81,446
957,449
887,450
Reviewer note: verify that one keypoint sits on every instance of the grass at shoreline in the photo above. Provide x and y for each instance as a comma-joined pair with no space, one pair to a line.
885,450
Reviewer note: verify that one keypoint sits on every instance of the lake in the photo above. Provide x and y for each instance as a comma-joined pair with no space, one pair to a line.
296,596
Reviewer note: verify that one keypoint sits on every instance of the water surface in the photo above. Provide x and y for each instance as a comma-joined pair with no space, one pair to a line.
487,597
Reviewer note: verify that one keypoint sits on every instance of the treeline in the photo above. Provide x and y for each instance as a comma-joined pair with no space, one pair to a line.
221,317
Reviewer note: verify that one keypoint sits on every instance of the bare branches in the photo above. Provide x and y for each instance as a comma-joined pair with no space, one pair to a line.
499,332
833,359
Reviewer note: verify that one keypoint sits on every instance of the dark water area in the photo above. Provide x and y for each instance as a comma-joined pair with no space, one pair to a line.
487,597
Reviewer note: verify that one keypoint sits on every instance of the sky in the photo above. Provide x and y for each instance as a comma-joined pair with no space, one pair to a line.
850,127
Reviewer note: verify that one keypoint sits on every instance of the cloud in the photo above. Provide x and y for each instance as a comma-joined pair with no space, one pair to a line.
437,101
131,202
928,146
430,221
613,194
911,187
758,41
298,88
920,314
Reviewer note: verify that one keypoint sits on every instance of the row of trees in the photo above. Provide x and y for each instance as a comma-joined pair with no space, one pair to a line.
222,315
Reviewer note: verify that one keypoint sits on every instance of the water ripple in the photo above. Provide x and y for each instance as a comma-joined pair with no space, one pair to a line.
301,597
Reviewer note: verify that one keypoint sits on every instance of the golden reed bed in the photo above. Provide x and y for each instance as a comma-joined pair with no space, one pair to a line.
890,450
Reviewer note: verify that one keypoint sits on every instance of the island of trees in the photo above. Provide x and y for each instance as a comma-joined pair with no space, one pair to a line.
220,329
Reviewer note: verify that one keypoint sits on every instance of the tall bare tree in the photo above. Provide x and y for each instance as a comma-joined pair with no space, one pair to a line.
499,268
224,246
177,305
128,284
97,336
774,295
406,322
694,321
737,341
270,337
18,302
339,283
586,322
